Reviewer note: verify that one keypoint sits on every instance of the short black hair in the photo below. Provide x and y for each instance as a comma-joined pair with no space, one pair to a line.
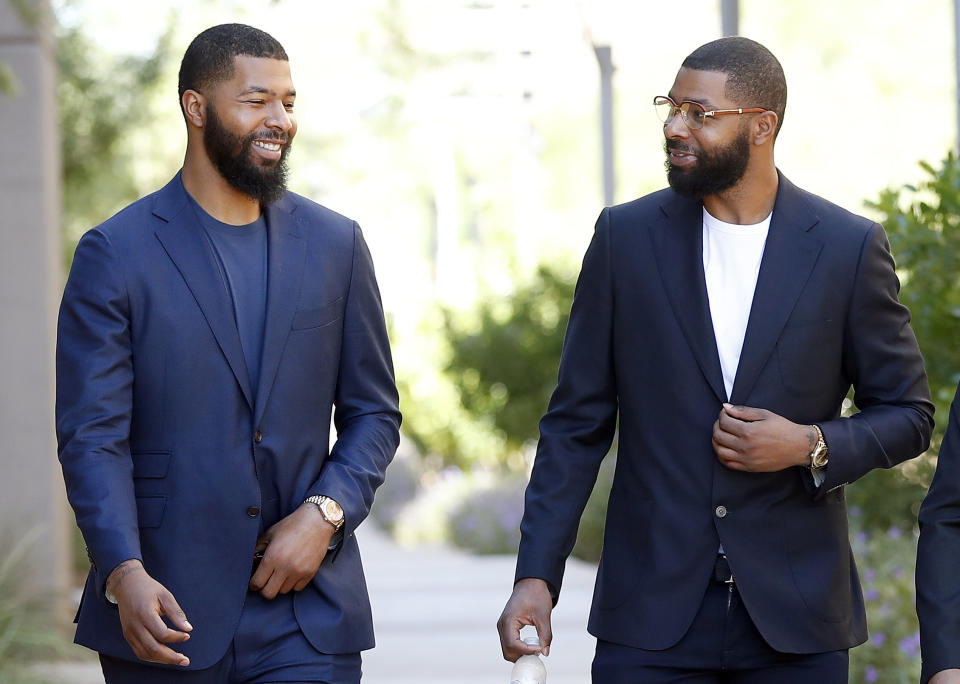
209,57
754,76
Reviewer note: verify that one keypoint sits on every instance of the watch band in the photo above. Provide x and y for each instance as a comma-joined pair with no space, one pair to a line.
819,455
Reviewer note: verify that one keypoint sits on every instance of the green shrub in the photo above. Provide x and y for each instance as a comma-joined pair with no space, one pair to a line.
26,625
886,560
487,519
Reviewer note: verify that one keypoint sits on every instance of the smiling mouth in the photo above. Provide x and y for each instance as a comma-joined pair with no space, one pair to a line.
266,145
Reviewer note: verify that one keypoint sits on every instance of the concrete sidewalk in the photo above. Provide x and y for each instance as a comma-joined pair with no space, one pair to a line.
436,609
435,612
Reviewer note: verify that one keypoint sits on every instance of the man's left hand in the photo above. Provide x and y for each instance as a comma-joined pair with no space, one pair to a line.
292,552
759,441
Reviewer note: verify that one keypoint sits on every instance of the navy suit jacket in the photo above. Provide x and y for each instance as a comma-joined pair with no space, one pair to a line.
168,456
938,557
640,343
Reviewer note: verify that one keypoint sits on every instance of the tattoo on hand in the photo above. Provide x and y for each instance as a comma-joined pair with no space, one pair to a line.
124,569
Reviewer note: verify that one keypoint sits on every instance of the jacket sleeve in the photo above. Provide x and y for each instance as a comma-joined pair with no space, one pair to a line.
94,393
938,556
367,413
883,362
578,428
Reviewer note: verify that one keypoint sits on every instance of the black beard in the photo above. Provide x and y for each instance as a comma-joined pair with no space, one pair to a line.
265,184
713,172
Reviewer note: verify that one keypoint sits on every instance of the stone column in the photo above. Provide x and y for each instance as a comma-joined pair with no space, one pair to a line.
32,499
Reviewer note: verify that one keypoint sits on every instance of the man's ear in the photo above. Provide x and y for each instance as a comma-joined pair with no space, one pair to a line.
194,108
765,127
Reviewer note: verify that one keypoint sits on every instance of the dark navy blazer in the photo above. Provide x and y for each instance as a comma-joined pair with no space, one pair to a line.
938,558
640,344
167,455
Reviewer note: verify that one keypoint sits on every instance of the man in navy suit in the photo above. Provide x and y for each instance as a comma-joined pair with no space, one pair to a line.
207,332
723,321
938,557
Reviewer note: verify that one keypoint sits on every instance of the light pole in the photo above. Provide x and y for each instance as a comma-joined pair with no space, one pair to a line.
730,16
605,60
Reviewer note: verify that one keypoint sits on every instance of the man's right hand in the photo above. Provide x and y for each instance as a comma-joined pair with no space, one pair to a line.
530,604
951,676
142,601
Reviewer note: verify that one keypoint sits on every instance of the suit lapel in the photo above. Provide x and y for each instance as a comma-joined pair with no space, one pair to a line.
287,254
182,238
788,259
678,241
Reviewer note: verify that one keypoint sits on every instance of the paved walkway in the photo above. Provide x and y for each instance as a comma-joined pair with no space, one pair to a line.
435,611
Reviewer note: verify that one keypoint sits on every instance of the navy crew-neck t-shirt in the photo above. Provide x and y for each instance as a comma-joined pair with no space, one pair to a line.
241,254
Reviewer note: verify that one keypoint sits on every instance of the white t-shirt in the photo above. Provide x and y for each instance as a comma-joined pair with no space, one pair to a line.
731,264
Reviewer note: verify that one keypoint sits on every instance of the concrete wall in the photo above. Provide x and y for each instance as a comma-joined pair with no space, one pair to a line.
32,499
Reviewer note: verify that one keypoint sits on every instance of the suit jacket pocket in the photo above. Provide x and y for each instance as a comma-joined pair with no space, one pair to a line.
809,357
150,464
150,510
305,319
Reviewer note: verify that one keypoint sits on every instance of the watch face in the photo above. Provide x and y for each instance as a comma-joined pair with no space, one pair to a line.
332,510
820,458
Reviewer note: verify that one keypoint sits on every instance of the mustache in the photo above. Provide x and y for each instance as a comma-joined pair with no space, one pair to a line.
675,146
267,134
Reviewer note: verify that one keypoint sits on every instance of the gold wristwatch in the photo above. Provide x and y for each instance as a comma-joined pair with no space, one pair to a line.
329,509
819,455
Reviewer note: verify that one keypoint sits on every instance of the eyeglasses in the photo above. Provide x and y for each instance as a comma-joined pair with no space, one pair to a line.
693,113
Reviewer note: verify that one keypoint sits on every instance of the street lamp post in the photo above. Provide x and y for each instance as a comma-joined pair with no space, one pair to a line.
730,17
605,60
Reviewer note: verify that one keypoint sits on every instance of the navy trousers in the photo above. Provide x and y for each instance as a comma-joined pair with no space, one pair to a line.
722,646
268,646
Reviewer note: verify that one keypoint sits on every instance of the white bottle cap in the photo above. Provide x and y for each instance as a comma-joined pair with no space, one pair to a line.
531,640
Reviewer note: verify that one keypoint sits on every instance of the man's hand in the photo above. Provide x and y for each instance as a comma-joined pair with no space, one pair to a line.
530,604
292,552
142,601
951,676
760,441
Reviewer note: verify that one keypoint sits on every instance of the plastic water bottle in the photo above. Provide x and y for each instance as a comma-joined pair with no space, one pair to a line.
529,669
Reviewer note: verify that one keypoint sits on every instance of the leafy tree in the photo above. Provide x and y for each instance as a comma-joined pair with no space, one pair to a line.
102,100
504,360
923,226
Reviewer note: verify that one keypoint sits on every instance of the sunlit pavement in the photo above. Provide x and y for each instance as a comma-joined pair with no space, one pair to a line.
435,612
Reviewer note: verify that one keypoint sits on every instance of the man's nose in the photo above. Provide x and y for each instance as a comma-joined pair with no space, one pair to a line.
676,127
279,118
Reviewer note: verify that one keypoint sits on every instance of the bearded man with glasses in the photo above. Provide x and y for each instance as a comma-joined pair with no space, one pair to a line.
719,324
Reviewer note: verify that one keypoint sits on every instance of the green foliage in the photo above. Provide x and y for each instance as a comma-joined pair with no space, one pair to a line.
923,224
886,560
433,417
26,634
8,81
103,100
488,519
481,511
504,361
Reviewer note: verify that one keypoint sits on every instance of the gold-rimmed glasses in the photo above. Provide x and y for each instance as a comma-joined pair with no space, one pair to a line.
693,113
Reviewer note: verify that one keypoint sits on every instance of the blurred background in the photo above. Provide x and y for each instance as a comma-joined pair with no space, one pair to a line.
475,142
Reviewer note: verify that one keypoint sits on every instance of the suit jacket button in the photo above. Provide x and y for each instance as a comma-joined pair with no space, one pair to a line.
257,437
253,511
720,511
